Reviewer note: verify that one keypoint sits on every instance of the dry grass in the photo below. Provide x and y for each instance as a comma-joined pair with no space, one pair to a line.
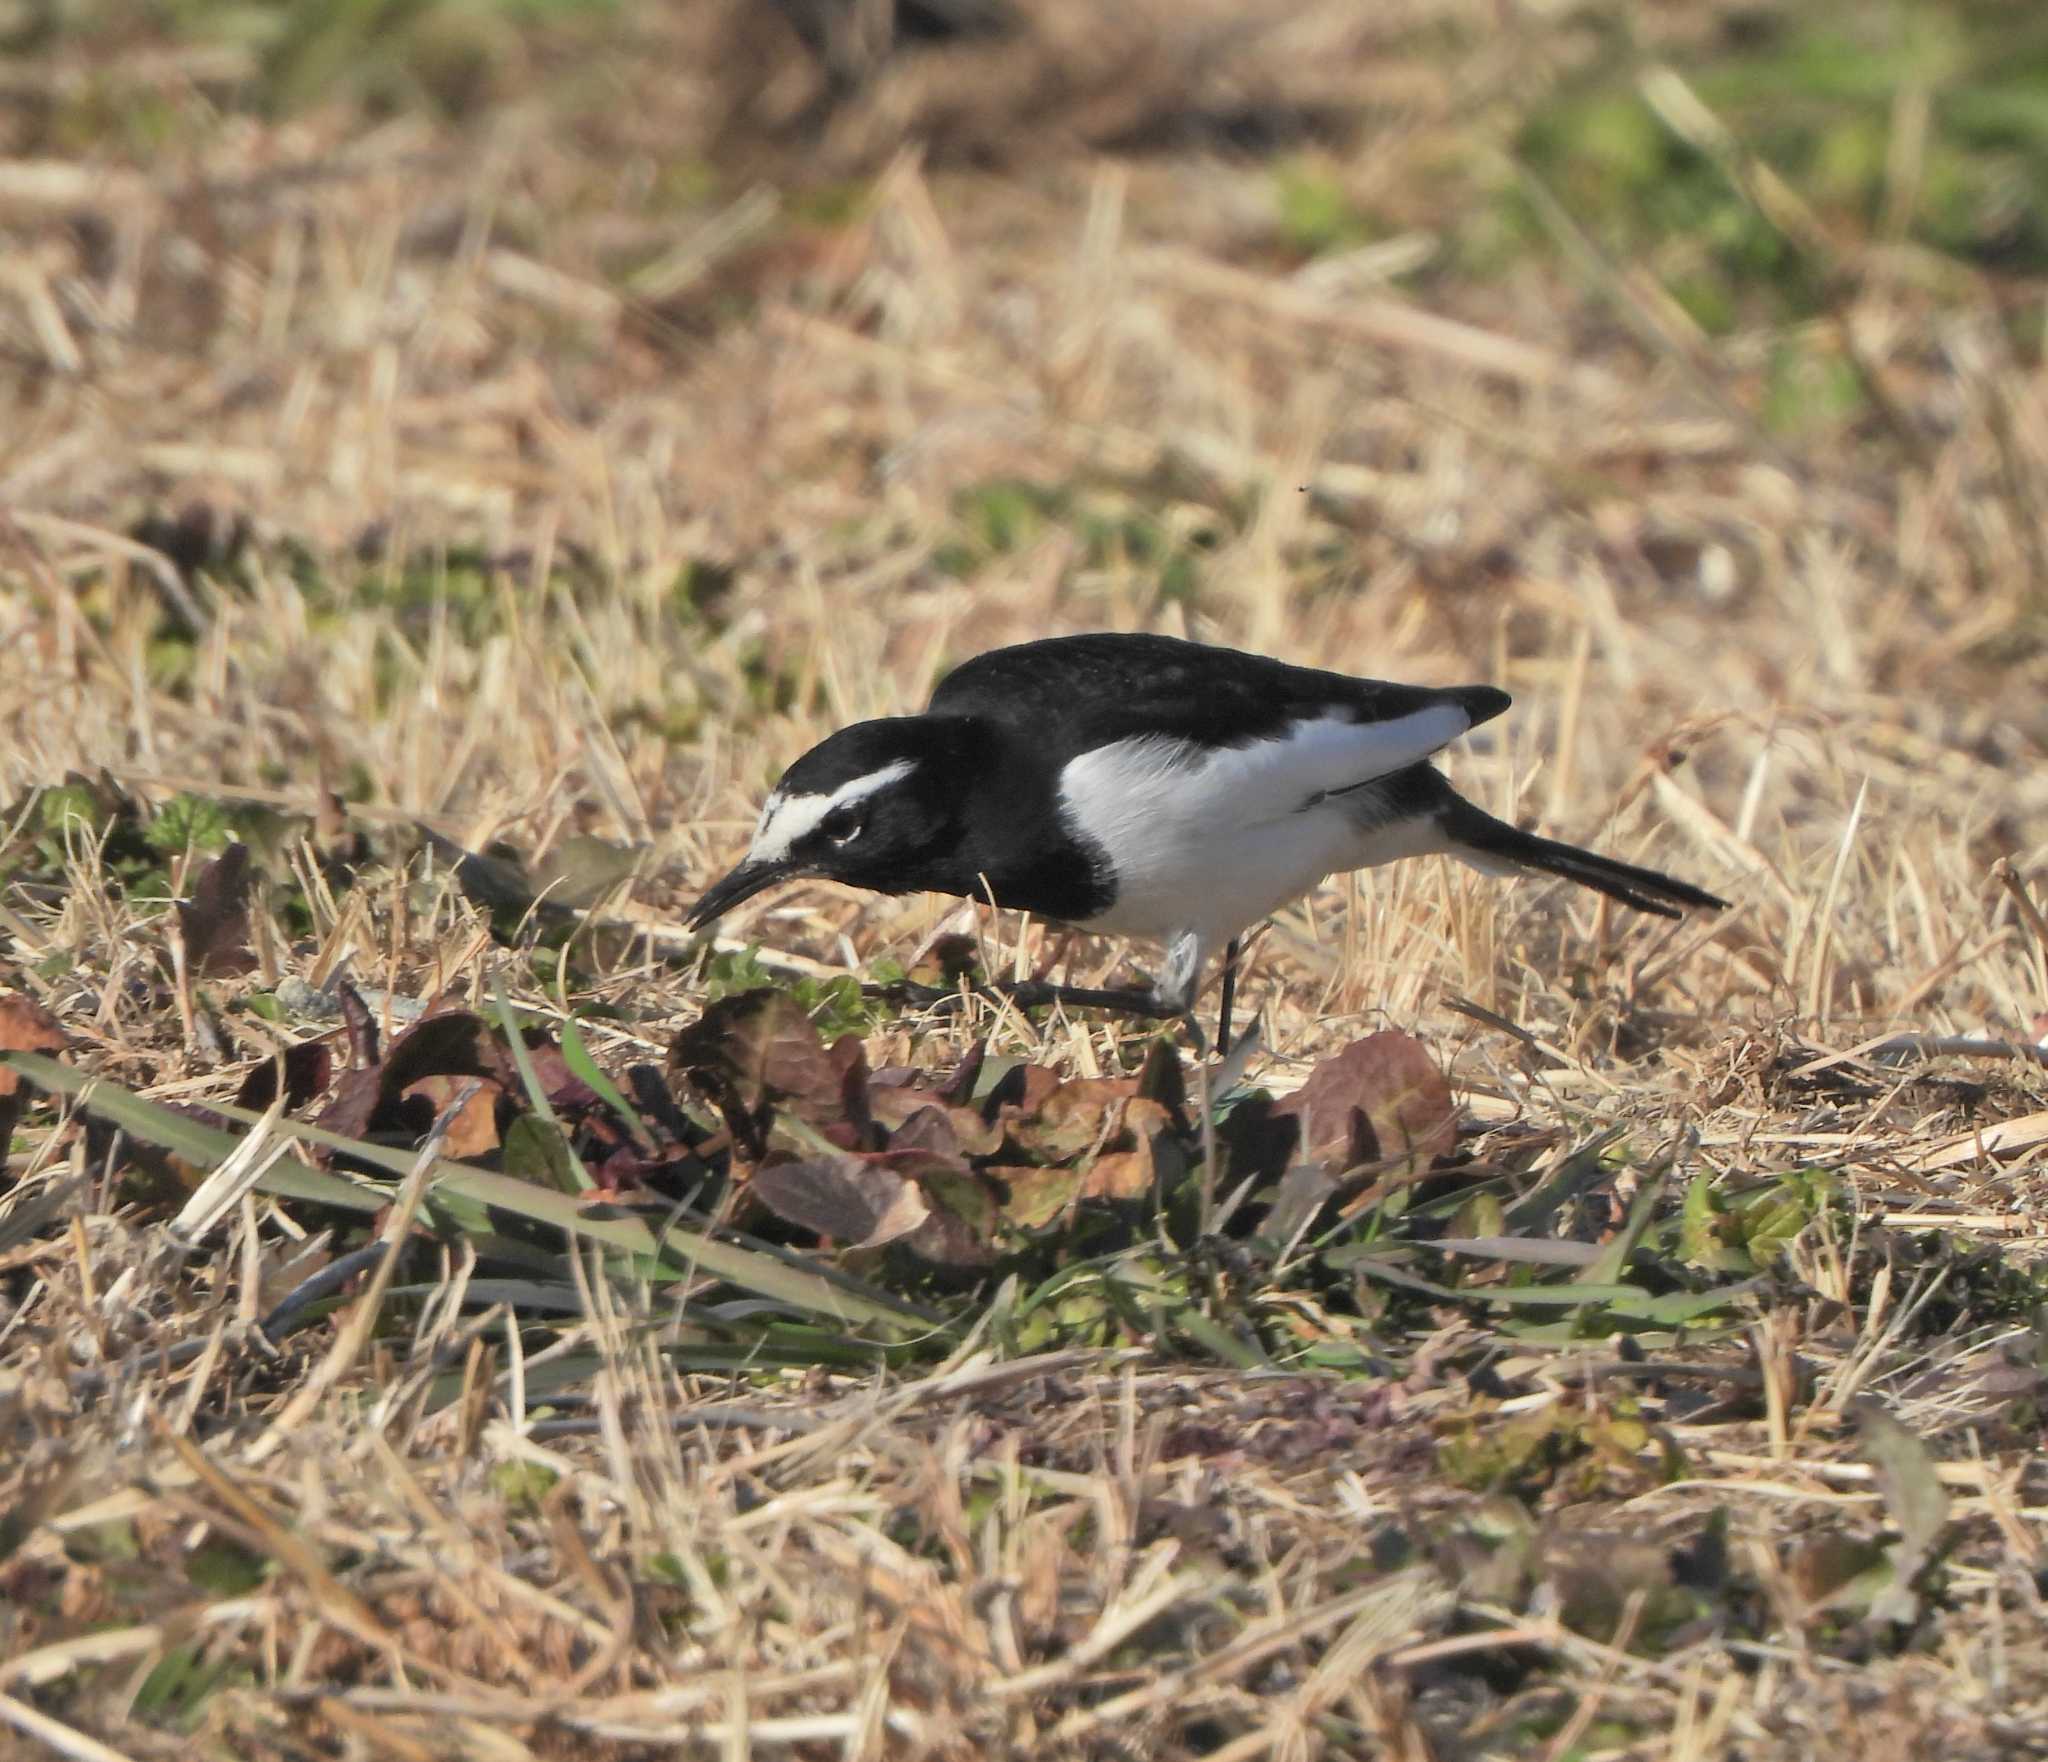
519,480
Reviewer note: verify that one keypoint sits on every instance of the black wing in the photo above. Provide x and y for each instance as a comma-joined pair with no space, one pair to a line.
1074,693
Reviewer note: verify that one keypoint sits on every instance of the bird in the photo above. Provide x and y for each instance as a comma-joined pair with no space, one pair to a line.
1153,787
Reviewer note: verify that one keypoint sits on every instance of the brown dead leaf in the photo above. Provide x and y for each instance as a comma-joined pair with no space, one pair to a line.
454,1044
856,1200
25,1026
360,1025
1381,1100
916,1120
751,1054
308,1069
1833,1568
1022,1090
1138,1151
215,920
1074,1118
1121,1174
1035,1197
474,1131
960,1233
1142,1153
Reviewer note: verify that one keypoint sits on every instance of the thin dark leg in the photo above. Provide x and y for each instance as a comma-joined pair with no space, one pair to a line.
1228,998
1034,994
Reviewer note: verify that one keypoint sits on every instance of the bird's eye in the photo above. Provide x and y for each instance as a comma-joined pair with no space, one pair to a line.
842,825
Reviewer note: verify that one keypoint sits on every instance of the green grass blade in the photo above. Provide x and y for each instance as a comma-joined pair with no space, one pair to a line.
577,1055
1607,1267
679,1251
200,1144
515,1043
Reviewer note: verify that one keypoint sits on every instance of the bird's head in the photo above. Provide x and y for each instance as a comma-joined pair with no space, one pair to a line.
870,806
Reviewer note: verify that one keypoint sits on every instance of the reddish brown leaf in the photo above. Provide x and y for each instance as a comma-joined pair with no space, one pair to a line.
456,1044
926,1129
622,1169
215,920
308,1069
1162,1079
565,1091
754,1053
958,1089
915,1120
1381,1100
960,1233
853,1199
363,1038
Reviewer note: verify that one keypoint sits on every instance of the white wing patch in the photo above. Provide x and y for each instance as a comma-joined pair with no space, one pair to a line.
1332,753
786,820
1208,841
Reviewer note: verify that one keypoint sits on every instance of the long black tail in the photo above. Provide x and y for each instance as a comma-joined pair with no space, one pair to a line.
1473,830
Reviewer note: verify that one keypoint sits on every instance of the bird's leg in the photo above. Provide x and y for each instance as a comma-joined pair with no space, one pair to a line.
1228,997
1035,994
1173,995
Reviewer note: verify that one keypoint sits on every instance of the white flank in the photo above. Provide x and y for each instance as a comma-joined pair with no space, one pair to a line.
1204,842
786,820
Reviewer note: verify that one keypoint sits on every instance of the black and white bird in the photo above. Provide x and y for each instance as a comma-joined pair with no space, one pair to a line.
1146,786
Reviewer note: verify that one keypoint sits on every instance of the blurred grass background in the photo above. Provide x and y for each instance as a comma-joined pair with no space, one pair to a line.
527,424
1914,122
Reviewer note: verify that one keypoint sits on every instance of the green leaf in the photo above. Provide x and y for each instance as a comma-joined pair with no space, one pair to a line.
224,1568
188,822
202,1145
1217,1340
1614,1257
1676,1308
536,1151
577,1056
1563,1296
578,1177
1563,1181
1916,1500
1704,1230
1771,1218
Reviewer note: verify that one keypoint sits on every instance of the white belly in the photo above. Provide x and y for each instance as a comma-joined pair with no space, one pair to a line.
1211,845
1239,876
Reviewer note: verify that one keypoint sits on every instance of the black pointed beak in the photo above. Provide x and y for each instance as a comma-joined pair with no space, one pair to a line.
736,886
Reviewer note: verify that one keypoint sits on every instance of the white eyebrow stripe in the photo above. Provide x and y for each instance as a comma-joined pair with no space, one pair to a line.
786,820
